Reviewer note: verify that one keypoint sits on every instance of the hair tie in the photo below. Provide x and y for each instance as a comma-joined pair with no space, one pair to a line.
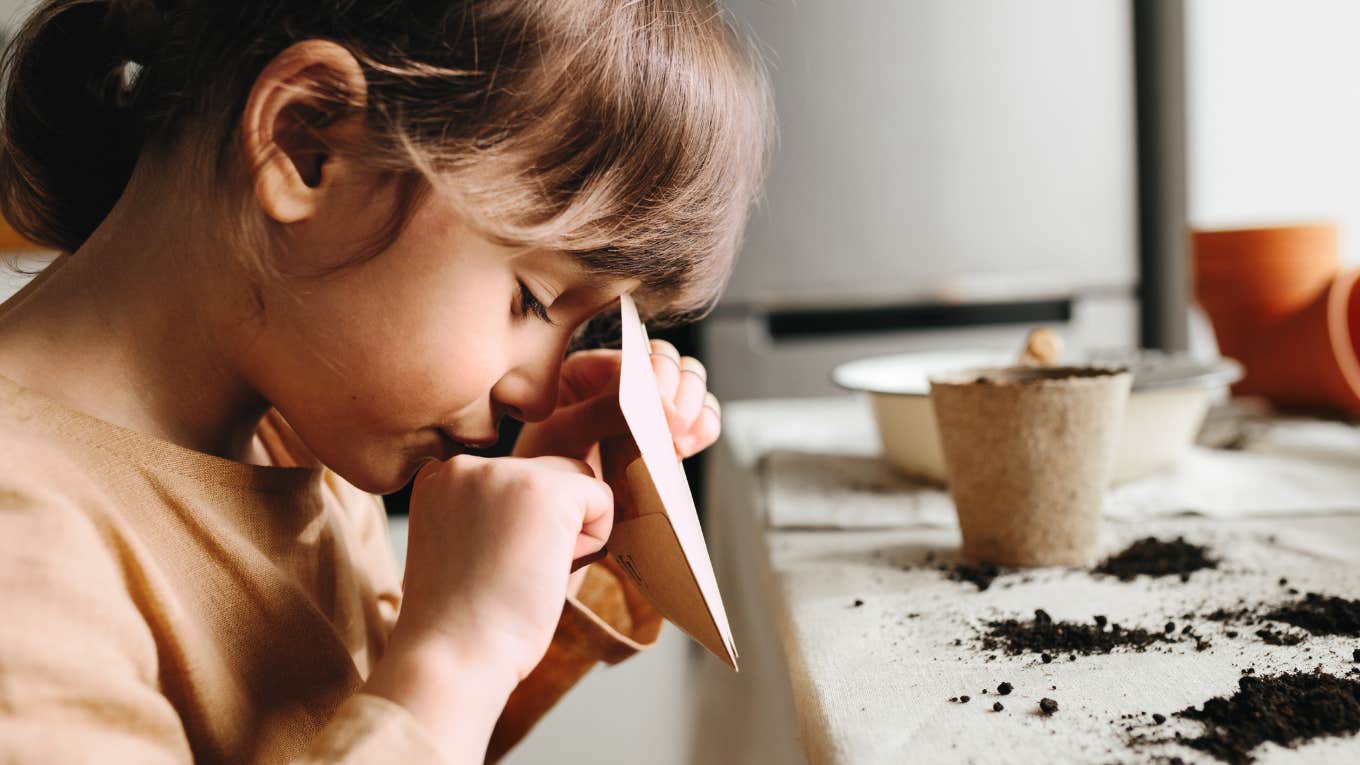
140,27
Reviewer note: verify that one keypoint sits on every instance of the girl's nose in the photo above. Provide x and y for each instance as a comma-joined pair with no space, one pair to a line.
528,395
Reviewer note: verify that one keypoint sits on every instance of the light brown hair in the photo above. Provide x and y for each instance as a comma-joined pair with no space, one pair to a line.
630,133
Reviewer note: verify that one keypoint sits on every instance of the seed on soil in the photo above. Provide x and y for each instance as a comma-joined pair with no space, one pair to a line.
1048,706
1005,688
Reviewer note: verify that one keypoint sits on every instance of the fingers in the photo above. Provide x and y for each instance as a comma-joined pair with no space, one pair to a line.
692,413
705,430
689,397
598,518
567,465
596,502
666,368
586,374
578,427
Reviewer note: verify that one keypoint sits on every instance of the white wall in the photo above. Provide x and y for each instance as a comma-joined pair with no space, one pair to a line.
1273,92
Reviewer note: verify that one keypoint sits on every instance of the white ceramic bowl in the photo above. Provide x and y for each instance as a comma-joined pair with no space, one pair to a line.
1171,394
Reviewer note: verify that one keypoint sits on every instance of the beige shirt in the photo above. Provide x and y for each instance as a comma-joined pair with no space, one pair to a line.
162,605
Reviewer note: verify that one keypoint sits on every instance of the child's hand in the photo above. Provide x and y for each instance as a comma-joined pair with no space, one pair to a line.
588,413
491,542
490,545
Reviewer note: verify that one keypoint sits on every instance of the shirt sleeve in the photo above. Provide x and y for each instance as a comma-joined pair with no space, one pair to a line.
78,663
609,620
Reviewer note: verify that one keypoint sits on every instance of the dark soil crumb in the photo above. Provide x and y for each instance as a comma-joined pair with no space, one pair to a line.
997,707
980,575
858,603
1285,709
1043,634
1314,613
1276,637
1153,557
1048,706
1005,688
1158,718
1356,655
1321,615
964,699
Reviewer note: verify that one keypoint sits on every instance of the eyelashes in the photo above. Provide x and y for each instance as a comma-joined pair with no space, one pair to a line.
531,305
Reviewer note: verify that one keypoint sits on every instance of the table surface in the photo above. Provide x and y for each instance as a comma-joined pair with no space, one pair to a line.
871,683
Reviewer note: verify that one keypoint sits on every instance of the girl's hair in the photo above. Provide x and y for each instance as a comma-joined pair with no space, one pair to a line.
630,133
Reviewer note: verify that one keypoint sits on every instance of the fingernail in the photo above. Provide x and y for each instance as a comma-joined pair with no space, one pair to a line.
663,348
692,365
711,402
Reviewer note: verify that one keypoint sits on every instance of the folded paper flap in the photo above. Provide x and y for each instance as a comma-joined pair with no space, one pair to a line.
640,401
649,552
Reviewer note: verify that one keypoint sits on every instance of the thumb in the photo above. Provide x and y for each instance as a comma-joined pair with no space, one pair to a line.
582,425
590,373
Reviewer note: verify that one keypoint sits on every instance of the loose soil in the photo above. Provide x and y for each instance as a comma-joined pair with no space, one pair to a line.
1314,613
1153,557
1321,615
1041,635
1286,709
980,575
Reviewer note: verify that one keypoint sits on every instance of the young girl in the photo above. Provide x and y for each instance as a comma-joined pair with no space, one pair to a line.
316,246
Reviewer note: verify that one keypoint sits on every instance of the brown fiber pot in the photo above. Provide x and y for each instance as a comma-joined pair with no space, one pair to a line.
1309,358
1029,452
1248,278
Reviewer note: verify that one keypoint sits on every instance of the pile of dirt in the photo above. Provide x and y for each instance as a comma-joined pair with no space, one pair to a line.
1285,709
1044,636
1320,615
1315,613
1153,557
980,575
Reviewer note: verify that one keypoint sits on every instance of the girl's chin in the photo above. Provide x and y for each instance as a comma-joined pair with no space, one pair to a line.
384,479
387,472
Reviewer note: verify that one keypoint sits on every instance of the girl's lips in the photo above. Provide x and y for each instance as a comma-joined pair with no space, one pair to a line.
464,444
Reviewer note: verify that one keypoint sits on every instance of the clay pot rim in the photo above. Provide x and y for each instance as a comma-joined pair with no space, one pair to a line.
1274,228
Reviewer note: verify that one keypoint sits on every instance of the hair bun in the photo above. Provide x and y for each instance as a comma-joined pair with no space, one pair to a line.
139,26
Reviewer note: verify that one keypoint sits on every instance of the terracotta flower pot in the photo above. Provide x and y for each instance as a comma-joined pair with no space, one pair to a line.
1246,279
1309,358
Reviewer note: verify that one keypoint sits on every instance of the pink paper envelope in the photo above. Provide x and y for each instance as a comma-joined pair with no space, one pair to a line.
660,543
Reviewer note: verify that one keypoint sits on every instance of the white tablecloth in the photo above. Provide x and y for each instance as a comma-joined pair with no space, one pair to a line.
839,481
835,683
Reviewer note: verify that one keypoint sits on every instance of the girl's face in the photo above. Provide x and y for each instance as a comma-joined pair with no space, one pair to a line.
418,352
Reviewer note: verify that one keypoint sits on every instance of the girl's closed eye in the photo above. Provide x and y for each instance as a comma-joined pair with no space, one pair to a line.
530,304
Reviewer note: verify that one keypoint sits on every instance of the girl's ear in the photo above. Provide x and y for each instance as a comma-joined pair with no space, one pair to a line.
306,102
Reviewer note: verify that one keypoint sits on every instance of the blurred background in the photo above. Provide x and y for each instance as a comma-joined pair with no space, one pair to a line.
951,173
